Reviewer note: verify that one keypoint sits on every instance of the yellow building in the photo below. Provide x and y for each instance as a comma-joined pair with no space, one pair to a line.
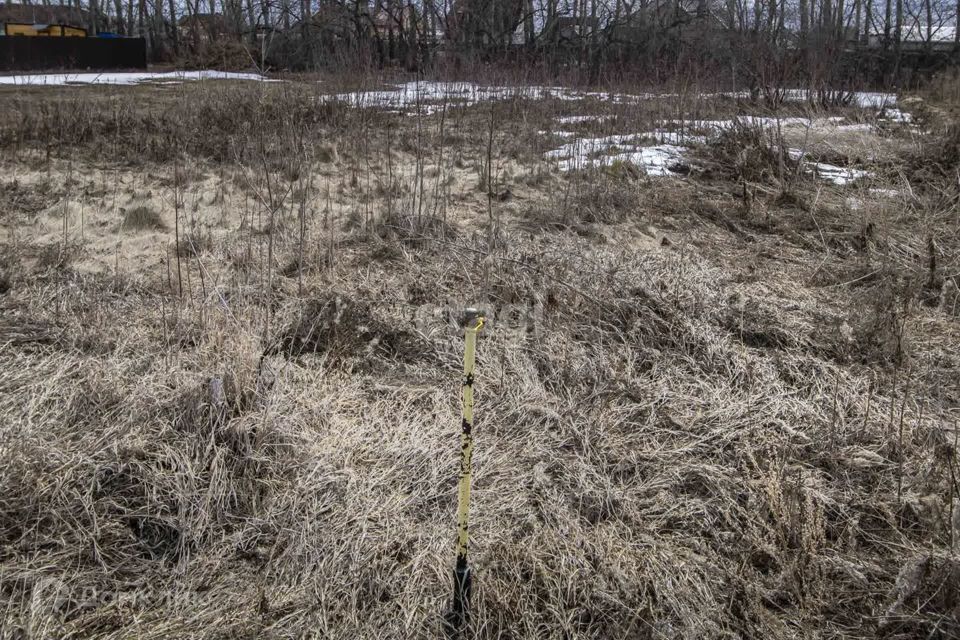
48,30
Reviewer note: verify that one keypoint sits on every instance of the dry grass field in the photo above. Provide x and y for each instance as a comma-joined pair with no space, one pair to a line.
717,393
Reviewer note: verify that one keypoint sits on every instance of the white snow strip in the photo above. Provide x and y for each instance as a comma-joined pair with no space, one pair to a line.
560,133
875,100
63,79
425,95
865,99
860,126
839,176
763,122
680,132
668,148
655,161
632,148
575,119
584,147
665,136
896,115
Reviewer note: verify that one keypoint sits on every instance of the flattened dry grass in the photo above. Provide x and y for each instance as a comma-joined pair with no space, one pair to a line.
645,466
674,439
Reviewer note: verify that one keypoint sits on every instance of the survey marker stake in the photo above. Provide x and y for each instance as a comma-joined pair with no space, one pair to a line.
459,613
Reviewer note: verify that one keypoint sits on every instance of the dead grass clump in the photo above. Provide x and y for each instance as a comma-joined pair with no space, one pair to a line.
931,168
944,88
9,266
610,199
758,325
143,218
948,155
792,200
58,257
29,199
194,243
950,298
873,325
749,152
297,268
879,323
414,230
326,153
340,328
605,197
27,333
925,601
212,408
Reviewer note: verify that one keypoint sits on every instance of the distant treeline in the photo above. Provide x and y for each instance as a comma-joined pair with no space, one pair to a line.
754,43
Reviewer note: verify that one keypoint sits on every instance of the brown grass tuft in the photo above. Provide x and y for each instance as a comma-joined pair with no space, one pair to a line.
143,218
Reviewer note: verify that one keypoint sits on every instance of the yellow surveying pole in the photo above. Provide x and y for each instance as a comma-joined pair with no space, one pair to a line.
460,607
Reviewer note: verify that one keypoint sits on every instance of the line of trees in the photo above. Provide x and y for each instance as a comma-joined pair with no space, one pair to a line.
752,35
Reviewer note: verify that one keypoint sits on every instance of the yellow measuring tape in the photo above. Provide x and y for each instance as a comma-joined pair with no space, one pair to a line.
466,440
460,607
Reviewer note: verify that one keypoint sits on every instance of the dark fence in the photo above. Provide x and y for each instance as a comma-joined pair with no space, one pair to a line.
28,53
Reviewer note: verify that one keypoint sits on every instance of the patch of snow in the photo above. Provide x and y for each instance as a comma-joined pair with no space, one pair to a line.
656,161
583,147
680,132
896,115
839,176
853,203
130,78
763,122
828,172
603,152
665,136
562,93
767,122
559,133
429,97
864,99
857,98
658,150
887,193
575,119
860,126
875,100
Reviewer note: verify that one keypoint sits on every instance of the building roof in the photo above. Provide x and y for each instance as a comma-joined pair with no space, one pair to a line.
918,33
